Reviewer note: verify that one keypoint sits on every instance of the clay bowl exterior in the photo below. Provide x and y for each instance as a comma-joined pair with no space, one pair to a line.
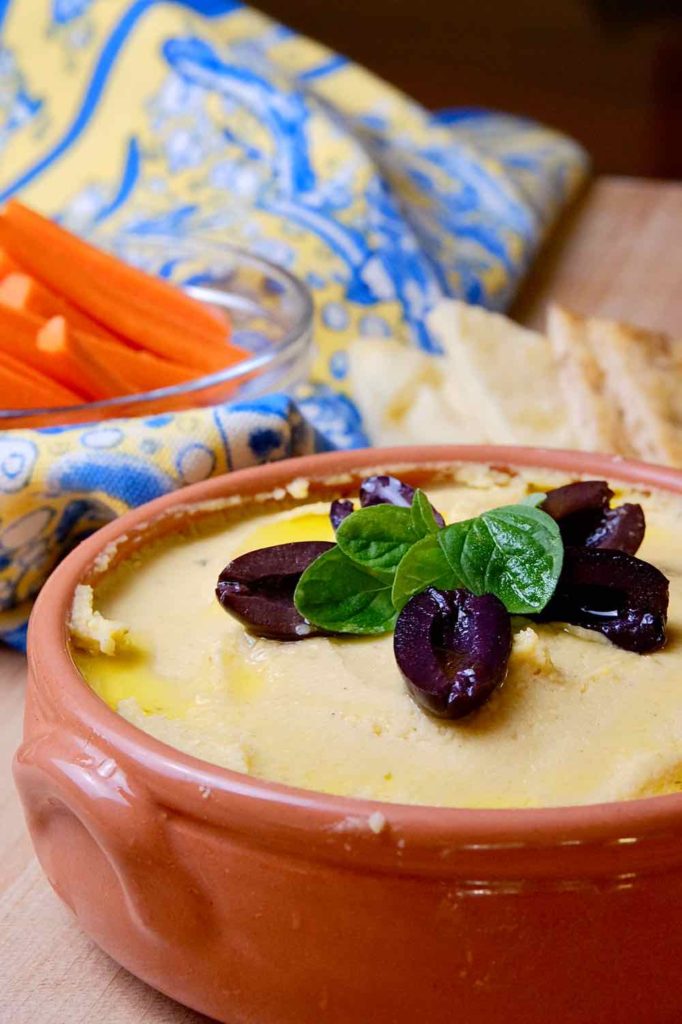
261,904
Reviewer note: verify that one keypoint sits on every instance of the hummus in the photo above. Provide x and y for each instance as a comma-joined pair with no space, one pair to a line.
577,720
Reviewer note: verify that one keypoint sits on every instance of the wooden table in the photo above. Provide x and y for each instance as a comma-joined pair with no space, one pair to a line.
617,253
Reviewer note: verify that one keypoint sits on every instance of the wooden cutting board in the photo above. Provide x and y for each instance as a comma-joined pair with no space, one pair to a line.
617,253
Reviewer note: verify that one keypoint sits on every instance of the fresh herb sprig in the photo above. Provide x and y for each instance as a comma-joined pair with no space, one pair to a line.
386,554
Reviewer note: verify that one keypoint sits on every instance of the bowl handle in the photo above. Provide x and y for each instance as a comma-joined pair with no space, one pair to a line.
59,773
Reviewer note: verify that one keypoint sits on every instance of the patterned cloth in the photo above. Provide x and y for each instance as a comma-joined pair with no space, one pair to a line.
204,119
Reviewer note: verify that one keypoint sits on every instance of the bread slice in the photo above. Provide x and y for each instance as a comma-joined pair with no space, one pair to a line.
403,395
642,373
596,420
503,376
495,382
593,384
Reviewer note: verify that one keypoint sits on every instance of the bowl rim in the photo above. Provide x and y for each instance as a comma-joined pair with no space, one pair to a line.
296,336
183,775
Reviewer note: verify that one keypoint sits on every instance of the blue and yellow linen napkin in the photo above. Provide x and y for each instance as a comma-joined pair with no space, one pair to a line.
204,119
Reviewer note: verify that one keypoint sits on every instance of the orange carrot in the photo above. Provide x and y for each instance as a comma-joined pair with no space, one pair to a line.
7,266
18,334
23,388
141,308
148,372
62,356
140,370
20,291
143,370
63,360
94,367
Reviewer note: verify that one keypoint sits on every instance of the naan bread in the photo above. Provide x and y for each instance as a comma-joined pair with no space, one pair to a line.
405,396
641,380
596,419
495,382
505,376
592,384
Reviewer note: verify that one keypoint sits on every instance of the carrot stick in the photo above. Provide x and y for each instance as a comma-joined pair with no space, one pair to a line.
20,291
135,305
60,358
140,370
92,366
65,358
149,373
18,334
143,370
24,388
7,266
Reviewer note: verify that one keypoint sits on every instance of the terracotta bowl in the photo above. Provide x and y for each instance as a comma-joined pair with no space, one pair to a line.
261,904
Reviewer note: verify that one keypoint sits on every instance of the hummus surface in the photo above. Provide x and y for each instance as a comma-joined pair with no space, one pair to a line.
577,720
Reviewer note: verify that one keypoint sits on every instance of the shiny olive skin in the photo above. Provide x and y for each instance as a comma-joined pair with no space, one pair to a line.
389,490
452,649
339,510
581,496
619,529
582,510
613,593
258,589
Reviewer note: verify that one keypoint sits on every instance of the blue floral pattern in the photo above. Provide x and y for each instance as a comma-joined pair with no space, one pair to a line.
205,119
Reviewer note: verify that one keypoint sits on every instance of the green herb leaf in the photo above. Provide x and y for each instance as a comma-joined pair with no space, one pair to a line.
424,565
514,552
377,538
338,595
423,519
534,499
451,541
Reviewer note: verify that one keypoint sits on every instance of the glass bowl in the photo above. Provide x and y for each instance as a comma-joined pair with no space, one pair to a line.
270,310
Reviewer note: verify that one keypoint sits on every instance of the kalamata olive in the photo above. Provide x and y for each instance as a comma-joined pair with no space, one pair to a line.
614,593
258,589
619,529
388,490
577,497
452,649
578,508
385,490
339,510
582,511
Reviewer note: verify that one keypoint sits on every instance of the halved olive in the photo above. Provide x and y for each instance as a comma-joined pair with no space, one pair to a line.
339,510
385,490
620,529
614,593
585,519
582,496
258,589
452,649
389,490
